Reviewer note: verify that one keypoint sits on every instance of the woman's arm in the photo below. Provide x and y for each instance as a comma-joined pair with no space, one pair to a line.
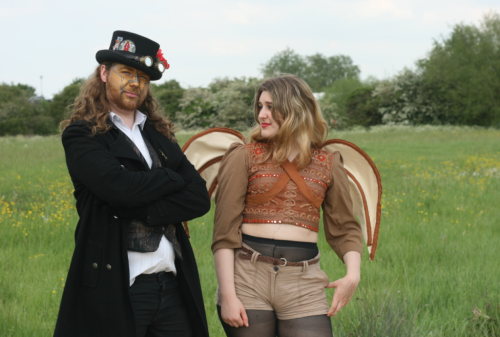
230,204
342,230
346,286
232,311
343,233
230,198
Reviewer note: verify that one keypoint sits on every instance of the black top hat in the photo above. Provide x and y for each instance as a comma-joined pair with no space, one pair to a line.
136,51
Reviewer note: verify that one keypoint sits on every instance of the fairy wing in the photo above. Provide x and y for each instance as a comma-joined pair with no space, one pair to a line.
365,187
206,149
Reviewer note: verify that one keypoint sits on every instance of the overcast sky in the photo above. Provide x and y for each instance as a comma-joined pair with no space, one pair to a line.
207,39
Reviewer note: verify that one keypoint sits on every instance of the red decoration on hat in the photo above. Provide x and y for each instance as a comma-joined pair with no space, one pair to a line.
160,58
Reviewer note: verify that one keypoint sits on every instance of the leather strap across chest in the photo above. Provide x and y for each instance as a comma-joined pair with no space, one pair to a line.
290,173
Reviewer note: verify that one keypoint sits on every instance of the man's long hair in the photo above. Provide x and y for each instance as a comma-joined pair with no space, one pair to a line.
298,115
92,105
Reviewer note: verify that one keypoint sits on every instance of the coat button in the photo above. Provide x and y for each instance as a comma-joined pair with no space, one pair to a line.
95,265
114,216
108,266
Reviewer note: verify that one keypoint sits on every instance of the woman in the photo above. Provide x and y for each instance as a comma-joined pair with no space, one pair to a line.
267,220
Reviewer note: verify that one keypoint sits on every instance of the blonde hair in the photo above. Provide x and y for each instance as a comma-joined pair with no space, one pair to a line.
92,105
295,110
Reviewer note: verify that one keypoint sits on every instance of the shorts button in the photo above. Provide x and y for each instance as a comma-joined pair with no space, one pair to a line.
276,268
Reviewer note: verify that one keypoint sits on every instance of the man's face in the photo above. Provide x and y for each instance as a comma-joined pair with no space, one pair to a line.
126,87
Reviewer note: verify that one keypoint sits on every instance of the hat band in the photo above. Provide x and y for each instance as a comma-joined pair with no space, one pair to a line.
146,61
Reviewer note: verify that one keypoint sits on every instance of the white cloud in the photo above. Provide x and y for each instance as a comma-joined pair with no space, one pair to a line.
224,47
377,8
240,14
19,11
203,40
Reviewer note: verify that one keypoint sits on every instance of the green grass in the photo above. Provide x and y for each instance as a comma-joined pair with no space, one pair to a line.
437,269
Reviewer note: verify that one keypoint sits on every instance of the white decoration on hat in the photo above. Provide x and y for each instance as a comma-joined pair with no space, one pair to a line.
127,45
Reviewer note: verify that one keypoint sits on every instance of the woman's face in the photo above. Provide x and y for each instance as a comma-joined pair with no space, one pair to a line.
268,126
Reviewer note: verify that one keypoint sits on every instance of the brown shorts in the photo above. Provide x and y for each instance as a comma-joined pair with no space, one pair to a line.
290,291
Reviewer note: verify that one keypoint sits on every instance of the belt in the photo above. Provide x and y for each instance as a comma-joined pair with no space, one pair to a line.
247,255
156,277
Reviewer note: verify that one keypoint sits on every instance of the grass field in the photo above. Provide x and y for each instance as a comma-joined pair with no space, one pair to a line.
437,269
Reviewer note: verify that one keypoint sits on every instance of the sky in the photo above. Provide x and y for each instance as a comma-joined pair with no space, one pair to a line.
203,40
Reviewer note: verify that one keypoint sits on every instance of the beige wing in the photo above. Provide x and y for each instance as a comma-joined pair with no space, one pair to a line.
205,151
365,186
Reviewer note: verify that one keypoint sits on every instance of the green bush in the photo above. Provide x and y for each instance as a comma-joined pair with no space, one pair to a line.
169,94
317,70
333,103
362,108
462,74
58,108
225,103
405,99
20,116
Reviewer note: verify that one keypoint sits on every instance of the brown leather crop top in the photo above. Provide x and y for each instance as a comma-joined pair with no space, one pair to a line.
279,194
250,191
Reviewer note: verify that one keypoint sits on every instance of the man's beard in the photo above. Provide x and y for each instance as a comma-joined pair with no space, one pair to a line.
115,91
122,101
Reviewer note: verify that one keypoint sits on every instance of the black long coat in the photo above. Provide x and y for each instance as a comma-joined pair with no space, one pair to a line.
113,185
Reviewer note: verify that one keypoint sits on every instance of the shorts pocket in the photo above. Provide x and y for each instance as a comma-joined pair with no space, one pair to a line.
244,269
325,277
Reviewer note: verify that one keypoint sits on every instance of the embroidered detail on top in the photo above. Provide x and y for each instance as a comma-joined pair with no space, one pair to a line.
264,176
316,181
299,224
289,205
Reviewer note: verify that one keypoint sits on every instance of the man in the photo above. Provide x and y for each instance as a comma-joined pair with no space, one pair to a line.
133,272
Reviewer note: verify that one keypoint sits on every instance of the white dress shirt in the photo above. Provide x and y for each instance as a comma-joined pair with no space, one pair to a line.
164,257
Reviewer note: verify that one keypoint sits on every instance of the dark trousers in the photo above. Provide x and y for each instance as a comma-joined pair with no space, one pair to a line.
158,307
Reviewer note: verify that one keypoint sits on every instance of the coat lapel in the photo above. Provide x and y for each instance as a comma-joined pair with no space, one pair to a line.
163,146
121,148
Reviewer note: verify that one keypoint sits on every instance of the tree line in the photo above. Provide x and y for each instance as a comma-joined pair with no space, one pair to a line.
457,83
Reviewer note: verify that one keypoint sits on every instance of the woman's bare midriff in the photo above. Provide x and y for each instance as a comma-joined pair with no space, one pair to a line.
280,232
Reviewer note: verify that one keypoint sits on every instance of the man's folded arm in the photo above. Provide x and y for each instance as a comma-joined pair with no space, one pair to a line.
189,203
91,163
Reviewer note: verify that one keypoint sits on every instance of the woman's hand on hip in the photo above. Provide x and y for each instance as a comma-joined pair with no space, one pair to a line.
346,286
233,312
344,289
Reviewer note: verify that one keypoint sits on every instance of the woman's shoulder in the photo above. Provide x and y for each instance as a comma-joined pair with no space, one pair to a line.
236,151
256,149
248,153
323,157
